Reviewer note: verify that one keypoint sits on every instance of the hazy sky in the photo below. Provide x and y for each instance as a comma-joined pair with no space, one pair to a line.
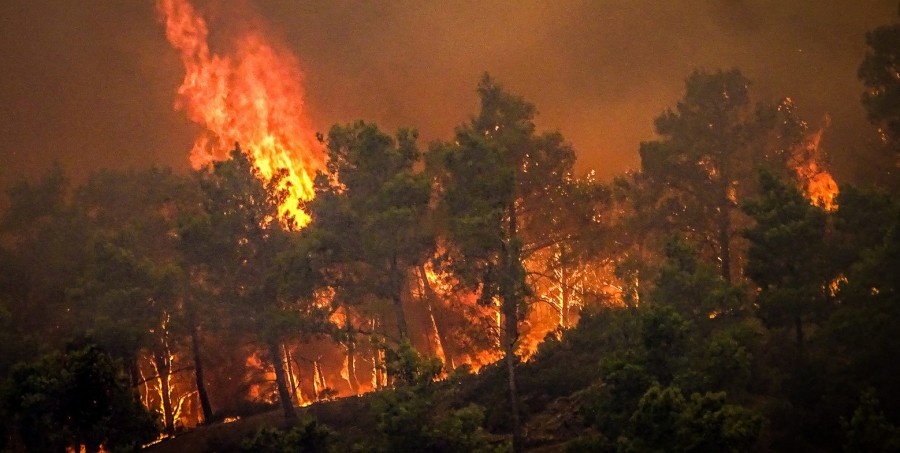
92,83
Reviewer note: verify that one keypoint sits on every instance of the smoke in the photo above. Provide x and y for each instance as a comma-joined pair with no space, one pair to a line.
92,83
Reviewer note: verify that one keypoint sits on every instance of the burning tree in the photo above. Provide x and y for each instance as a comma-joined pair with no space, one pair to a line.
249,243
132,282
370,211
497,179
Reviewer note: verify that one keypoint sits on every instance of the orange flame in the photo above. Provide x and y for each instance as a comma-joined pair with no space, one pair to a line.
252,96
818,185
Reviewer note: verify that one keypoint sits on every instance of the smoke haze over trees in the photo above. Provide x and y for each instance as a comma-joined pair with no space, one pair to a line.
88,84
481,283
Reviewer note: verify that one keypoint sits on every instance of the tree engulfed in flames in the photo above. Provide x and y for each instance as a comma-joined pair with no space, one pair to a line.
252,96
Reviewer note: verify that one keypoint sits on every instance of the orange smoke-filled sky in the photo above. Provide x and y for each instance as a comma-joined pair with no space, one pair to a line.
92,83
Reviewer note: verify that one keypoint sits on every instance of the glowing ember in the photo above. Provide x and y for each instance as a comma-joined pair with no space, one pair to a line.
252,96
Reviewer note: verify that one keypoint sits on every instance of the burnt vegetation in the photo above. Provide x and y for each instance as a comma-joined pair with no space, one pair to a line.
477,296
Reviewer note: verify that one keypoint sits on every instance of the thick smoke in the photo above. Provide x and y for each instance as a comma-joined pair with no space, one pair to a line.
91,84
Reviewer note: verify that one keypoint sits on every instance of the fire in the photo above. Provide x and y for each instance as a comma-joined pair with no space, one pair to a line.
818,185
251,96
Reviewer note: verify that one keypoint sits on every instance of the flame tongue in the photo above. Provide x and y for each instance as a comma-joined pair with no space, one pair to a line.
252,97
818,185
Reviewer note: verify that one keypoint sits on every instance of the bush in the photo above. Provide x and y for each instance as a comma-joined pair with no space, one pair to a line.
308,437
74,398
666,421
408,419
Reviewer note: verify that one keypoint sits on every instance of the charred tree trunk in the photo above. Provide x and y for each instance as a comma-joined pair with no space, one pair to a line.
324,392
198,375
396,282
377,362
350,341
296,369
134,371
439,329
351,366
290,375
280,382
511,289
163,369
509,356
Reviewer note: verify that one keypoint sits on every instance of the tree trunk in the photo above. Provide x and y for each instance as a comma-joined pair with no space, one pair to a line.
163,369
280,382
321,383
396,279
377,360
563,297
510,291
134,371
198,375
290,375
509,356
724,233
430,297
294,368
351,355
351,367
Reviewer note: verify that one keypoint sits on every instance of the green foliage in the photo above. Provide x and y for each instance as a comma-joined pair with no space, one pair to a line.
595,443
878,73
666,421
664,334
868,430
689,331
726,362
307,437
608,406
247,255
79,397
860,224
45,238
126,250
121,297
500,181
370,214
692,287
860,333
785,255
407,422
409,418
33,204
505,189
406,367
711,143
873,277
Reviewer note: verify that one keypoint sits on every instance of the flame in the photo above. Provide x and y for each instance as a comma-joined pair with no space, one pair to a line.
562,288
806,160
251,96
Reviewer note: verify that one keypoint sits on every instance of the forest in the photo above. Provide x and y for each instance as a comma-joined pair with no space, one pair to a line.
469,295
